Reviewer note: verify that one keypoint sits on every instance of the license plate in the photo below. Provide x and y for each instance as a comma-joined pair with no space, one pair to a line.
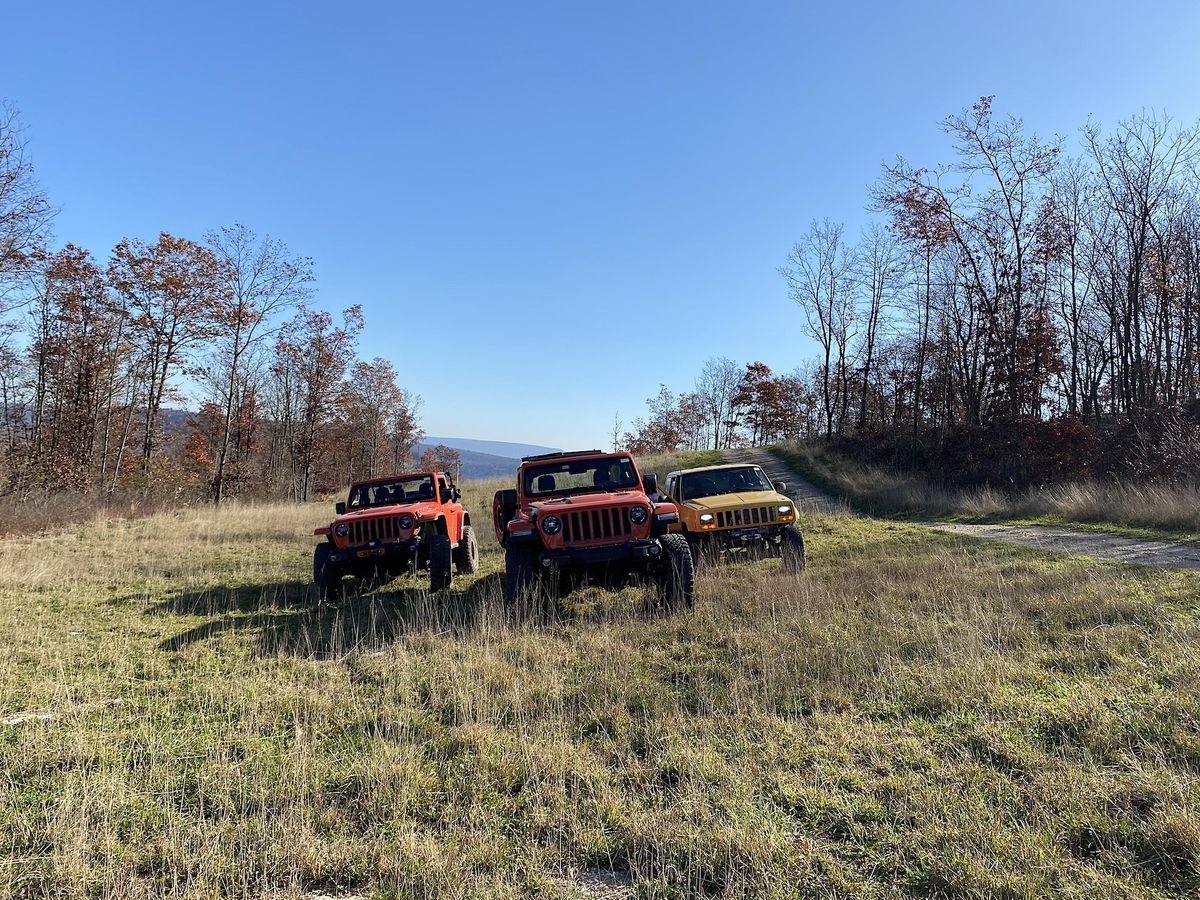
363,554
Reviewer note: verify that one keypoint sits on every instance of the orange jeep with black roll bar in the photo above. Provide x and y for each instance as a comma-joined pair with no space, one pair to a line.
395,526
584,515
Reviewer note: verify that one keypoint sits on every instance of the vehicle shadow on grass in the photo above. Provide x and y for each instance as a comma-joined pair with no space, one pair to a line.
285,617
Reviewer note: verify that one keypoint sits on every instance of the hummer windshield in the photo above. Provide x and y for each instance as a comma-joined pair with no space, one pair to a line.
579,476
388,491
724,481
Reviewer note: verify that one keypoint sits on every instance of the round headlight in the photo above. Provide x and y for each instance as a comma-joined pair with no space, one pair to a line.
706,518
342,530
784,509
551,525
406,521
638,515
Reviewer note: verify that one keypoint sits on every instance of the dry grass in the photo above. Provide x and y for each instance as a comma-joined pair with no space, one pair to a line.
916,716
882,491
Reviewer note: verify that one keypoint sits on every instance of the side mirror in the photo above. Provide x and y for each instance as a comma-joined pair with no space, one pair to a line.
339,508
781,487
650,483
456,493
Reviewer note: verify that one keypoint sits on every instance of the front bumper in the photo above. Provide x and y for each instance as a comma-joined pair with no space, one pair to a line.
637,552
390,555
733,537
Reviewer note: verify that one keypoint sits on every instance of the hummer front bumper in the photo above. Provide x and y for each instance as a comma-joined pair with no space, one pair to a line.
637,551
391,555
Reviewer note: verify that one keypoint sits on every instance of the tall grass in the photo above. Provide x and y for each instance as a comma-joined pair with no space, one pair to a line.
882,491
914,716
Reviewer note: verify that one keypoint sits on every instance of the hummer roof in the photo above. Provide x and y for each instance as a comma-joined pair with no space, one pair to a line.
561,454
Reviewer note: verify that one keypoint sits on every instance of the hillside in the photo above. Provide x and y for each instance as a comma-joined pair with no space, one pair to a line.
916,716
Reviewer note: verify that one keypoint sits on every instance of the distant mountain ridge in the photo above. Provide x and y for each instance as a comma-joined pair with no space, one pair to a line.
486,459
506,449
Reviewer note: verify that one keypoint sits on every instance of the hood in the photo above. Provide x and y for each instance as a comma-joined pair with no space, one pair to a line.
590,501
416,510
735,501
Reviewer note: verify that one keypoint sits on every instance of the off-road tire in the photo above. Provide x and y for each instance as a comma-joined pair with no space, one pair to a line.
520,573
792,550
677,580
326,579
466,554
440,557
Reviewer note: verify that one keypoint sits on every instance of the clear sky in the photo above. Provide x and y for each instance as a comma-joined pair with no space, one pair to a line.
573,201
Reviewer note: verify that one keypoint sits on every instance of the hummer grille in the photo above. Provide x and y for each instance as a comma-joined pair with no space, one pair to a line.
596,525
747,516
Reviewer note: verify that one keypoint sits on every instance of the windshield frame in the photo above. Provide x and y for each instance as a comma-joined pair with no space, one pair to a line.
532,471
425,477
684,477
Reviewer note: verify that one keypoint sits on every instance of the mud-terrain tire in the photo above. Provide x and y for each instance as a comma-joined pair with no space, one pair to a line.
520,572
326,579
440,557
792,550
466,554
677,581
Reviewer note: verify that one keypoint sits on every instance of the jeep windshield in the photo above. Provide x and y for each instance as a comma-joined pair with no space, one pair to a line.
389,491
579,476
725,481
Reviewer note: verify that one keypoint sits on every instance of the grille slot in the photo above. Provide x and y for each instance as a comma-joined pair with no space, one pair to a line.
380,528
609,523
747,516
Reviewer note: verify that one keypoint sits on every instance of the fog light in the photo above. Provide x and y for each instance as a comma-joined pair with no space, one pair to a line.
655,549
551,525
638,515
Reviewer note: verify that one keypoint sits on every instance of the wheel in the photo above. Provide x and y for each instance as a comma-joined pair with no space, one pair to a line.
440,576
326,578
466,555
520,571
677,582
792,546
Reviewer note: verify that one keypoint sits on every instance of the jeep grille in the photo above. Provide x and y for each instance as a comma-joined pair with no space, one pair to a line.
594,525
747,516
378,528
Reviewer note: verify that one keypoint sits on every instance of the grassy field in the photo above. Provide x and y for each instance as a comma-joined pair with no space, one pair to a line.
1152,511
915,716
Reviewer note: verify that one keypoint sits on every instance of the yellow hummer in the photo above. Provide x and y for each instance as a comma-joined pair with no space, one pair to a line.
734,509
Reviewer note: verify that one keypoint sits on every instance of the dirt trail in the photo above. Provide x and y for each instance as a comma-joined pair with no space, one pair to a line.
1167,554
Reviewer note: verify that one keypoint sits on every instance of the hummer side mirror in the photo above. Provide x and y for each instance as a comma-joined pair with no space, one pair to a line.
781,486
650,483
340,508
456,493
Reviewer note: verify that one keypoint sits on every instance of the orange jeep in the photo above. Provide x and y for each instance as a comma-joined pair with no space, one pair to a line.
588,514
395,526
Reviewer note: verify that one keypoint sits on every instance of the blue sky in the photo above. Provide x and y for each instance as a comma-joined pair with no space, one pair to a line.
573,201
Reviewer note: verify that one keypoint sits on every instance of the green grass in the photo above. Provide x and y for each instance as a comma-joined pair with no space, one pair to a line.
915,716
1170,512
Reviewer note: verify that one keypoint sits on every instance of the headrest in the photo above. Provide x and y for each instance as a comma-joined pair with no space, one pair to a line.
545,483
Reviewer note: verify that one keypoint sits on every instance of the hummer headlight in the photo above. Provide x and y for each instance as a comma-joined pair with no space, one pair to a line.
785,509
706,518
406,521
551,525
638,515
342,530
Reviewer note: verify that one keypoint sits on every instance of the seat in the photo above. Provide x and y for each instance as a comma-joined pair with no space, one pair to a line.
425,492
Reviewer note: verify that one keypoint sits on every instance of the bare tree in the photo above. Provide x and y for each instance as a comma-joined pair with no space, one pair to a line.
819,274
262,280
25,213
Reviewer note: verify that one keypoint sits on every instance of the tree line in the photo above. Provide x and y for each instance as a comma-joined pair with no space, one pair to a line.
1017,305
92,354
